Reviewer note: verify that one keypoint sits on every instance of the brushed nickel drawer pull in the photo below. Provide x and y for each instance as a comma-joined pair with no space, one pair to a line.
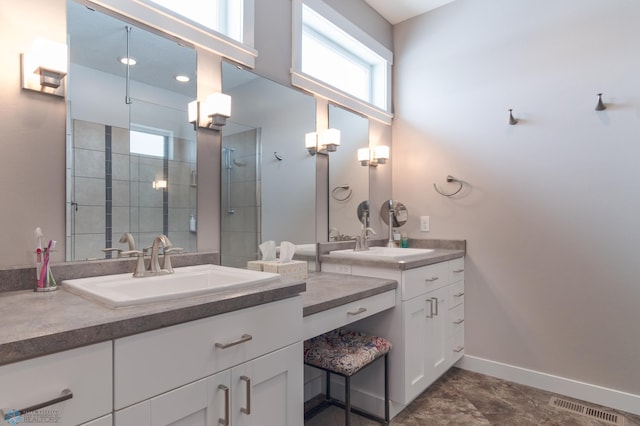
225,421
458,321
430,302
358,312
247,410
459,349
11,414
457,271
244,338
436,300
432,279
459,294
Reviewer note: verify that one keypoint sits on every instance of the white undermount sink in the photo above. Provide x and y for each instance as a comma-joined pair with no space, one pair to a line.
121,290
383,253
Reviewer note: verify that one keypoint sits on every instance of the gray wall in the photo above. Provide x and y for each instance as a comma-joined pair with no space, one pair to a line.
550,213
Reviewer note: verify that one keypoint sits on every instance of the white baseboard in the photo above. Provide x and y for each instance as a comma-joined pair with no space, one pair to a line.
572,388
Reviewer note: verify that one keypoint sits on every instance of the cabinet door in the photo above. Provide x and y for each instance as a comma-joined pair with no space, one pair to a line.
201,403
436,334
268,391
414,317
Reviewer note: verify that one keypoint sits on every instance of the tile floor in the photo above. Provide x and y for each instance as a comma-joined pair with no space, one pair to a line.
462,397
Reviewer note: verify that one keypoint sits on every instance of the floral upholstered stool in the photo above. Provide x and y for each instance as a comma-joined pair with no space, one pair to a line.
344,353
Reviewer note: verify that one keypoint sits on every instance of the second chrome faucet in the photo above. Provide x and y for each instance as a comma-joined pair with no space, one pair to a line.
154,264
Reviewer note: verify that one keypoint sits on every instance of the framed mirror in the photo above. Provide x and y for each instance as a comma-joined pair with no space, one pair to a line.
348,180
131,153
268,177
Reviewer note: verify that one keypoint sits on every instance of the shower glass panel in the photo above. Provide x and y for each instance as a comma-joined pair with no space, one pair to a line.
240,234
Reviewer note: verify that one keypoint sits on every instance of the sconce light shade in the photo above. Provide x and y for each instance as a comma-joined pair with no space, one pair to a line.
311,142
218,109
381,154
159,184
44,67
329,140
373,156
363,156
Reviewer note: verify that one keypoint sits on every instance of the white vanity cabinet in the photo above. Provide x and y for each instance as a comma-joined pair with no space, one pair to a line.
84,374
426,328
239,368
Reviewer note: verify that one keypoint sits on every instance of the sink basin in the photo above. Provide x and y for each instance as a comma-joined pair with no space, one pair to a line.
383,253
121,290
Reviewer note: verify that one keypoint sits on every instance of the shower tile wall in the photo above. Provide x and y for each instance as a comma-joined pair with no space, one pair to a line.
135,206
240,230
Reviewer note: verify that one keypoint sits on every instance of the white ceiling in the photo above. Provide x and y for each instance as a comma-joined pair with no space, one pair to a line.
396,11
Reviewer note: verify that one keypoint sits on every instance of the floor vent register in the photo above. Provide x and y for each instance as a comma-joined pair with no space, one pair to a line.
594,413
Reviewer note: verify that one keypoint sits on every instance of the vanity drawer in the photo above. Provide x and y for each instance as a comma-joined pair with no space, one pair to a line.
424,279
456,270
86,372
148,364
321,322
456,294
455,319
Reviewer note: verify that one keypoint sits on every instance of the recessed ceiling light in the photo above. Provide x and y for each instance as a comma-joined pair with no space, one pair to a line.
183,78
128,61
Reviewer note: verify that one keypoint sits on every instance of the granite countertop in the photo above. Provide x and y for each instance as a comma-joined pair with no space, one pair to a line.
326,290
35,324
436,256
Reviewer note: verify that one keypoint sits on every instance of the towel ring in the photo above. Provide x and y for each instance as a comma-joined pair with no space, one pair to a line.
346,188
450,179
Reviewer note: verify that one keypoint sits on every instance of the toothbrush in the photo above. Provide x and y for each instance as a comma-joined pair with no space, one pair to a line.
45,266
39,237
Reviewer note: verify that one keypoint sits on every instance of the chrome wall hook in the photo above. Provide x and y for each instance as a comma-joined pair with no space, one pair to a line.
512,121
600,106
450,179
279,157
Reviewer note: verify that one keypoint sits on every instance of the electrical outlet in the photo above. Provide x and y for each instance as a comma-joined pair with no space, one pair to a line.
424,223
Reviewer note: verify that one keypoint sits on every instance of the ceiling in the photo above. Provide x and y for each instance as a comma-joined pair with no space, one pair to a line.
396,11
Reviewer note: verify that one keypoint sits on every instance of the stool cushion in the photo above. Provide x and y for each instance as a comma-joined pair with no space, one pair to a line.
343,351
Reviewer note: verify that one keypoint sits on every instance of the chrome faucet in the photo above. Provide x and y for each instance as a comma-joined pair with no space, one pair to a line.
127,237
361,240
154,267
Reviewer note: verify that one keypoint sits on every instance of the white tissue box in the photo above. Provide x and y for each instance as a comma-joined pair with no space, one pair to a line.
255,265
297,269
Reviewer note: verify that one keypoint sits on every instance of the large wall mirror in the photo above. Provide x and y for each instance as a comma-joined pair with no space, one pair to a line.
268,177
131,166
348,180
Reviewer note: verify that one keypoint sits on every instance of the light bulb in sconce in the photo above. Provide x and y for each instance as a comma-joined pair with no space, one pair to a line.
218,109
44,67
311,142
329,140
159,184
381,154
363,156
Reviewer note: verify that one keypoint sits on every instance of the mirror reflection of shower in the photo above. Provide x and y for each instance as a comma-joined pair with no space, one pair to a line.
227,156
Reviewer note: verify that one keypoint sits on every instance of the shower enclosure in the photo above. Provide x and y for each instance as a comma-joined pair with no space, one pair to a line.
240,227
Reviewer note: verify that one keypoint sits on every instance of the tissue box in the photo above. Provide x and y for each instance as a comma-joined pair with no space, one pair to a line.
255,265
294,269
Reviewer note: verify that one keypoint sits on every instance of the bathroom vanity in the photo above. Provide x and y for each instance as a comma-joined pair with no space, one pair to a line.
426,327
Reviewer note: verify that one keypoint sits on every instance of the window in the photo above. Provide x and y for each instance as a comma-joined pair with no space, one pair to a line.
223,16
336,60
151,142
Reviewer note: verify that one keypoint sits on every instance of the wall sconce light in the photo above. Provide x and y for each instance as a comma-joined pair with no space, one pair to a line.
373,156
325,142
159,184
211,114
44,67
